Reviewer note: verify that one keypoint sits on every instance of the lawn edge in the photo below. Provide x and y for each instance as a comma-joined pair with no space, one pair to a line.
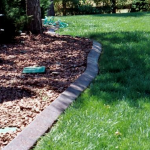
44,121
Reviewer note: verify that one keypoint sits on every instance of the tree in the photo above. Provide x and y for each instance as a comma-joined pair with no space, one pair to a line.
64,7
113,6
51,11
33,11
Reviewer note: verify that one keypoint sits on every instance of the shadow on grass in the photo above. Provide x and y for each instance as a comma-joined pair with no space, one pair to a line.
124,67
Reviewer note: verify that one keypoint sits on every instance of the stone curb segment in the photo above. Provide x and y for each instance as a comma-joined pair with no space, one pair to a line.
44,121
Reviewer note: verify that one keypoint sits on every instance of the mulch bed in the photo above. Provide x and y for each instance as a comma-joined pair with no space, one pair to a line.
23,96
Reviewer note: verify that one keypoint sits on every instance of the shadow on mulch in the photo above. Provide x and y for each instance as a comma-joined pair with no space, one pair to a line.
13,93
8,62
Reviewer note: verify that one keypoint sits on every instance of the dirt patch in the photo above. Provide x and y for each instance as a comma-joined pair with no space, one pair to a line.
23,96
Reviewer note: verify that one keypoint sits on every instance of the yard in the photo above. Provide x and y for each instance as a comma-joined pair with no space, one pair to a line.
114,111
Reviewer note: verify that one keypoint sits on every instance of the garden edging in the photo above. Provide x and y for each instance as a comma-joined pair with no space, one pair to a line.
44,121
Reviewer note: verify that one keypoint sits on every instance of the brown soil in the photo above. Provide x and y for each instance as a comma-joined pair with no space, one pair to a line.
23,96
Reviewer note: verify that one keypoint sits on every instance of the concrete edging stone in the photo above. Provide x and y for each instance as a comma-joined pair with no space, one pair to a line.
44,121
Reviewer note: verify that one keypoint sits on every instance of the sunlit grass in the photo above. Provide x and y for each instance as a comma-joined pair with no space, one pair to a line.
114,112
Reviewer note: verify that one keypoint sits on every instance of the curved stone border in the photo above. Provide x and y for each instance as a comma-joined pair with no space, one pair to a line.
44,121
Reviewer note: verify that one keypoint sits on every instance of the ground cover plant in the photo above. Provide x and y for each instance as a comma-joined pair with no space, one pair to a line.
114,112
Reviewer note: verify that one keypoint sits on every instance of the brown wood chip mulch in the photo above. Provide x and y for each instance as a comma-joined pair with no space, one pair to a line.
23,96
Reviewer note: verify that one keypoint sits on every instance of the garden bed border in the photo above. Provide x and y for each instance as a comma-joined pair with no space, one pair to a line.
45,120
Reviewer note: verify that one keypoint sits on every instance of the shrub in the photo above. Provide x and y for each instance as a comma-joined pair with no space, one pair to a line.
87,9
15,17
140,5
44,7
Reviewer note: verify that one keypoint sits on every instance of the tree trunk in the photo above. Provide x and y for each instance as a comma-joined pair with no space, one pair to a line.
33,9
51,11
113,6
64,7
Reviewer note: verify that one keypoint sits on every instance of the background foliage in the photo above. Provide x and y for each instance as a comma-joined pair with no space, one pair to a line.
140,5
16,18
44,7
75,7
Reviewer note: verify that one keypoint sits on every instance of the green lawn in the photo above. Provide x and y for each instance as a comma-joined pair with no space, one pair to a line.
114,112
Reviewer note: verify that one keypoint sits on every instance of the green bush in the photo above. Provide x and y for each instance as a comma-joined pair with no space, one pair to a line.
140,5
15,18
70,7
87,9
44,7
